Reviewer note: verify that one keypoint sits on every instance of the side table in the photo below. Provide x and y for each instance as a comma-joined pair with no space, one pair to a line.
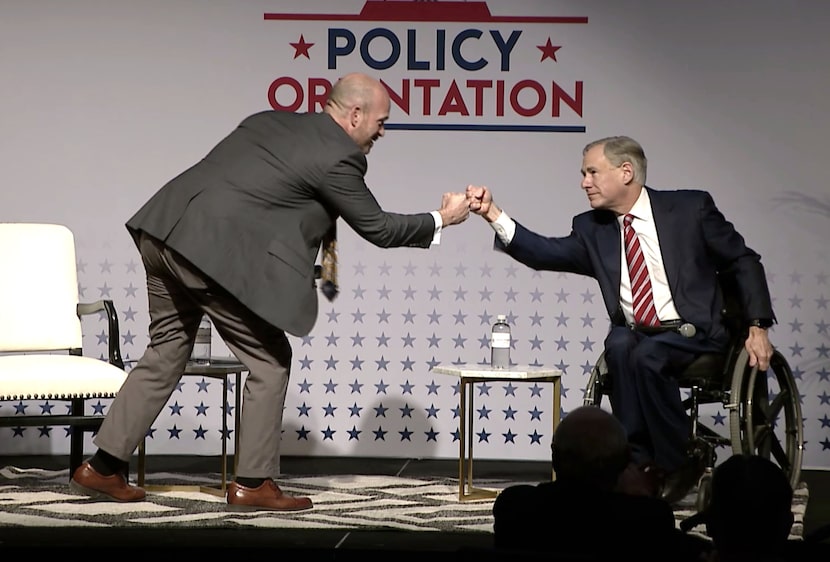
470,374
216,368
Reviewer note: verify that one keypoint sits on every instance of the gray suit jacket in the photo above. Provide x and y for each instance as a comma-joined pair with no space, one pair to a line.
697,244
252,213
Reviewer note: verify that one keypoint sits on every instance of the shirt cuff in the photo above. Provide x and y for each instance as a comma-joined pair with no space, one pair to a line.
505,228
439,224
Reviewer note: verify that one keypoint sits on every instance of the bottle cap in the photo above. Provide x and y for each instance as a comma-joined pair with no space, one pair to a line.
501,317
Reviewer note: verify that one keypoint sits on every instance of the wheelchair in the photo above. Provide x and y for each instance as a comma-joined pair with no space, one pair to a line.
764,408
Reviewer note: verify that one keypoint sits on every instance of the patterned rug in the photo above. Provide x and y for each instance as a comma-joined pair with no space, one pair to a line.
42,498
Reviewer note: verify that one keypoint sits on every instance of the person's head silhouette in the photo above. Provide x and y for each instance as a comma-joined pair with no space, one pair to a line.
750,511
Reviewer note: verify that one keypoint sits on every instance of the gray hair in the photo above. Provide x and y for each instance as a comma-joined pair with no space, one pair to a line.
623,149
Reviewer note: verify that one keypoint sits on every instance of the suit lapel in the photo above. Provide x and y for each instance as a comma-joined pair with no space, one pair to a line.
609,242
662,209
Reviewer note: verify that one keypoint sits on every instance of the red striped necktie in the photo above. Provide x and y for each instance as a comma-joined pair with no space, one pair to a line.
645,313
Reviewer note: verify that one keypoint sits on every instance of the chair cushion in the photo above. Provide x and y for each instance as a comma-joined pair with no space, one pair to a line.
34,377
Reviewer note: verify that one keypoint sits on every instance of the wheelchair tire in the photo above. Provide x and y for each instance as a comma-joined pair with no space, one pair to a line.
756,411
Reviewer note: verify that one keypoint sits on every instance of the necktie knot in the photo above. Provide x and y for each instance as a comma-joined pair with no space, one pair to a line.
628,219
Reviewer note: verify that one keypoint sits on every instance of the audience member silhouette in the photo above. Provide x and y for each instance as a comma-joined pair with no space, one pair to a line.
750,515
596,508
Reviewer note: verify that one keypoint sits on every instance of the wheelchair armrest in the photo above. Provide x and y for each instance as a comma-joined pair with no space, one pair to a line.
113,333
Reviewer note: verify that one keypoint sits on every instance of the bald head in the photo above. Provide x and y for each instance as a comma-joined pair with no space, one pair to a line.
360,105
590,444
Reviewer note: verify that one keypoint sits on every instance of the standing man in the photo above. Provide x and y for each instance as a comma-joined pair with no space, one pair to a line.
676,244
235,237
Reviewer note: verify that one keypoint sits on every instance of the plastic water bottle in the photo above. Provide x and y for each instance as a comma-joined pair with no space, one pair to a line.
500,343
201,349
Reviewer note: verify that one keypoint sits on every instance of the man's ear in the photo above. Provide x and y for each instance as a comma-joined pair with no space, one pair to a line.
628,172
355,116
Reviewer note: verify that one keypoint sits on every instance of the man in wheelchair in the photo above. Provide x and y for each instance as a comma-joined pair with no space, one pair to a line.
657,256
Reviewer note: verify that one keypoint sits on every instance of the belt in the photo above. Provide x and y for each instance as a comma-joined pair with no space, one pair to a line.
681,327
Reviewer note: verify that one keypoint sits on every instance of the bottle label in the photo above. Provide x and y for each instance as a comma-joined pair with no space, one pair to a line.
499,340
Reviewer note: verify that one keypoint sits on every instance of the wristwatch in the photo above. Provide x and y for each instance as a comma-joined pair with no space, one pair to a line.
761,323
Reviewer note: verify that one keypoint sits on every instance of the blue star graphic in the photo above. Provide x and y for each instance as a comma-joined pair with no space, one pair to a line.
483,436
384,269
460,293
536,343
332,316
406,411
44,431
357,316
535,437
434,317
358,292
434,340
535,414
331,339
302,433
174,432
382,363
406,434
357,363
432,363
354,433
304,409
380,410
562,320
330,386
354,410
409,269
383,293
356,386
201,409
432,435
305,363
331,363
484,413
510,270
459,341
409,293
203,385
432,411
46,408
485,294
329,410
485,319
383,339
304,386
408,317
200,432
175,409
459,317
536,320
406,388
432,388
408,340
407,363
328,433
307,340
509,437
383,316
380,433
359,268
510,295
509,413
381,387
484,389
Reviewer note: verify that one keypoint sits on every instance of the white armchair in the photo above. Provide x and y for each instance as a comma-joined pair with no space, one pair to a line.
41,350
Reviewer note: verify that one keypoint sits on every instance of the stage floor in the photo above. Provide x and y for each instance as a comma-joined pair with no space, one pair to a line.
331,544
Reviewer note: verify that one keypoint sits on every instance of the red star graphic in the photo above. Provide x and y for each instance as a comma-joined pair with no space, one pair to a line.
301,47
548,50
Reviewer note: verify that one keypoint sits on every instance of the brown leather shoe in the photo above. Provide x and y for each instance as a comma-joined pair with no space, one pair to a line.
267,496
90,483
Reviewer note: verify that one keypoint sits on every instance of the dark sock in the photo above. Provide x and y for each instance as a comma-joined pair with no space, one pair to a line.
106,464
250,482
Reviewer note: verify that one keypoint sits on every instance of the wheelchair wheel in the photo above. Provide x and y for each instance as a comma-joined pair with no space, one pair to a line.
594,391
765,414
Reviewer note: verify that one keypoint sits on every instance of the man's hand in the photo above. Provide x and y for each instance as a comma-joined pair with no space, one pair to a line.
481,202
455,208
759,348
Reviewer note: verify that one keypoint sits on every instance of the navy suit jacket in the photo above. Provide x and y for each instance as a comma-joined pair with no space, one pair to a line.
697,244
